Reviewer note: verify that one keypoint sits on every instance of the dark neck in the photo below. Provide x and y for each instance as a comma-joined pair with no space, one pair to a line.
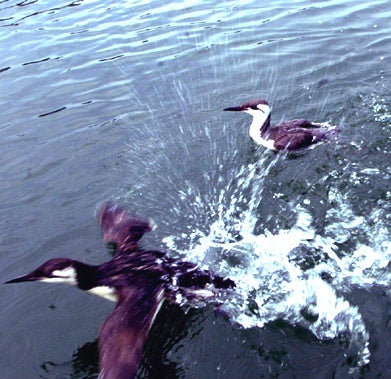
87,275
266,125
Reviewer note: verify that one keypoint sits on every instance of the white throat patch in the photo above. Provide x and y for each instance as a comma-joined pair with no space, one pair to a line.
106,292
259,118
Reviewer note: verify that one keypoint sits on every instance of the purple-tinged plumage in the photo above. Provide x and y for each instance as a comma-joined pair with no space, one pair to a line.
137,280
121,229
293,135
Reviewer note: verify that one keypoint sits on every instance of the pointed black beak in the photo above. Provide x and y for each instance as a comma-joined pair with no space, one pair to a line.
24,278
234,109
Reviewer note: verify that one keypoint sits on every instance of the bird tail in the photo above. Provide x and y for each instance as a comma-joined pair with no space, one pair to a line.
329,129
119,227
199,287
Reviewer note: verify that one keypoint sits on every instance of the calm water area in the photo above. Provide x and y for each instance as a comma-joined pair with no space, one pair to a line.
123,101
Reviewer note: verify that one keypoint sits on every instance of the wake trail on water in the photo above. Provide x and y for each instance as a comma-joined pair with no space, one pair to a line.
298,274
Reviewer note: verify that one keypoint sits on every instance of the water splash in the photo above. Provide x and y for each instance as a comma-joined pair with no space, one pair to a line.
296,274
380,109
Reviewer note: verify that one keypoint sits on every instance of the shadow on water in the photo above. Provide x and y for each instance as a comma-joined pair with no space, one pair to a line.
277,350
171,325
186,345
84,364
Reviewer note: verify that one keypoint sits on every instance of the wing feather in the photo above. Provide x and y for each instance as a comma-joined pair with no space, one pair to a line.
120,228
122,336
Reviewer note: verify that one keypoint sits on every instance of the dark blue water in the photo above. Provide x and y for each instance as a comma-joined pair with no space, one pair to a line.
124,101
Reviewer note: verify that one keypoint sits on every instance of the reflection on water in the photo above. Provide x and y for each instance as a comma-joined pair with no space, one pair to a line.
125,100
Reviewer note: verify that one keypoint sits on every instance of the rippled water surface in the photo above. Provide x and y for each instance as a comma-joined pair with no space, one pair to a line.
124,101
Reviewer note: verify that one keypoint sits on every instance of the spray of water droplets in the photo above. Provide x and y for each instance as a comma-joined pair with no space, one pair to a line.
295,274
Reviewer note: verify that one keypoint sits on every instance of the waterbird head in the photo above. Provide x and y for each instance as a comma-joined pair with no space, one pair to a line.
57,270
255,107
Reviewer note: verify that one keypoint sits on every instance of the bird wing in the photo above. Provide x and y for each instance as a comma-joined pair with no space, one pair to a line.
120,228
294,141
299,123
123,334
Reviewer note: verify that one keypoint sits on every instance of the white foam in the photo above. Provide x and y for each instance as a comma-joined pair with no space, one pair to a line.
271,284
